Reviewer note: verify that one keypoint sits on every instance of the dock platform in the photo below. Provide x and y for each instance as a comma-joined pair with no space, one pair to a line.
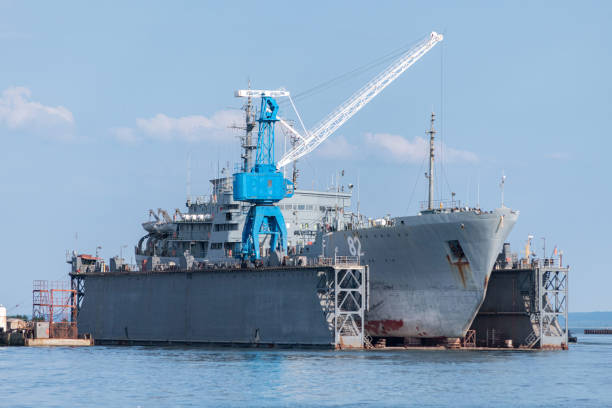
58,342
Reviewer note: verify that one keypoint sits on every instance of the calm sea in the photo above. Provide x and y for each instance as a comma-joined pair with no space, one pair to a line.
177,376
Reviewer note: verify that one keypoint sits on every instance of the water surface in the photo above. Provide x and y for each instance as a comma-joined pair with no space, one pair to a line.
181,376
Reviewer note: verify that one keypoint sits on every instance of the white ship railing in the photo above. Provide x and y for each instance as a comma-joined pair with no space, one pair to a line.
441,204
339,260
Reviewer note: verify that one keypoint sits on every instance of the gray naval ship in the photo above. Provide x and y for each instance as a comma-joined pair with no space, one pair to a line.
428,272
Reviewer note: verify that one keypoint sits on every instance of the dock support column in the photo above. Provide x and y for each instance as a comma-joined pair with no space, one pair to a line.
77,284
350,303
552,289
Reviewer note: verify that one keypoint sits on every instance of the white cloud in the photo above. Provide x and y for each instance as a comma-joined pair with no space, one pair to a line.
413,151
192,128
337,147
456,155
397,147
17,111
125,134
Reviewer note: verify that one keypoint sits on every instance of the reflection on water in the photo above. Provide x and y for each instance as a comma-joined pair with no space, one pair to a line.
199,376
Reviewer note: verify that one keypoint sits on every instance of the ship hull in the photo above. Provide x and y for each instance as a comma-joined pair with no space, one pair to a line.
420,286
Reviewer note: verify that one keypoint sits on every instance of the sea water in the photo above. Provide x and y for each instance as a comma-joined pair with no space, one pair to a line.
134,376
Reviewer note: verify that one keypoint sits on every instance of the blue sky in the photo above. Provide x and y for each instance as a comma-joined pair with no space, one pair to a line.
100,105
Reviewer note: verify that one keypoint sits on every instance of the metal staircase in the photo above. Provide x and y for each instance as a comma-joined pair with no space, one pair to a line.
532,340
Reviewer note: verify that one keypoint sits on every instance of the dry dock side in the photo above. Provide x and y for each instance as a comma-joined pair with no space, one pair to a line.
311,306
325,305
525,307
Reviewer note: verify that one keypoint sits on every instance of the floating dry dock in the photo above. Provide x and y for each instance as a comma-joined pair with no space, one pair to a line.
320,305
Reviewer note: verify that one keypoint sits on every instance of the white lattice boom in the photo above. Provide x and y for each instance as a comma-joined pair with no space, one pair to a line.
352,105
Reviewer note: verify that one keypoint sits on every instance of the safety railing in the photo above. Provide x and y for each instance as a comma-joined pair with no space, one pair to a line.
338,260
441,204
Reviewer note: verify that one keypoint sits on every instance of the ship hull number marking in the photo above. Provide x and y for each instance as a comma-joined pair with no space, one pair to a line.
354,245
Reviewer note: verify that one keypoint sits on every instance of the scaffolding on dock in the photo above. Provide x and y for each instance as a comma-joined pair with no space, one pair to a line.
343,293
551,290
55,302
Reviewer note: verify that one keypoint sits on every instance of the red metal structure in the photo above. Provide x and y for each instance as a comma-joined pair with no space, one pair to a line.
56,302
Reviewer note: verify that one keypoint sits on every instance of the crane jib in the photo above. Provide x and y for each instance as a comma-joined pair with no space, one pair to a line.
359,99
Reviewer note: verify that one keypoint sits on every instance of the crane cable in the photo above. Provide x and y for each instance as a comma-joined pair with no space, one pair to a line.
443,152
352,73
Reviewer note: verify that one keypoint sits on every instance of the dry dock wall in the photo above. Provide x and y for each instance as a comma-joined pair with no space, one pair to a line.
505,312
527,306
242,306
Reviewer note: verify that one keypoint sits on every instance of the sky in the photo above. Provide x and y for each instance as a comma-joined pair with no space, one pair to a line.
102,103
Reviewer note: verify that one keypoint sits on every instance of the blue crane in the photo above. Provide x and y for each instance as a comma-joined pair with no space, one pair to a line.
263,186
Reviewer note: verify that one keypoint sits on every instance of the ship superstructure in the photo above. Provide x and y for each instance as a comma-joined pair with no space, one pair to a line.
210,230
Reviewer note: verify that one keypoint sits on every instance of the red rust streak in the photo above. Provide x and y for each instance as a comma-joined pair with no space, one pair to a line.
383,326
459,264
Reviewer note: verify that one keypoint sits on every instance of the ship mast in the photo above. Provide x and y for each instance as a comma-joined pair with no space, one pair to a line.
247,145
430,175
295,172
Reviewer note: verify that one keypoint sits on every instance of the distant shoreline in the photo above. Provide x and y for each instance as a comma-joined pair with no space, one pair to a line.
591,320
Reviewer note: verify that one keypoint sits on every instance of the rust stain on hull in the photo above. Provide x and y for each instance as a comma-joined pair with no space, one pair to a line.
382,327
462,267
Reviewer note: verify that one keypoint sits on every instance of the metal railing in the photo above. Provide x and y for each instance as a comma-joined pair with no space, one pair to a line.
324,261
346,260
441,204
338,260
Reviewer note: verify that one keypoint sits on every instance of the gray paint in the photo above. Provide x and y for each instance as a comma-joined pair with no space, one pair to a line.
272,306
415,291
511,310
504,309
